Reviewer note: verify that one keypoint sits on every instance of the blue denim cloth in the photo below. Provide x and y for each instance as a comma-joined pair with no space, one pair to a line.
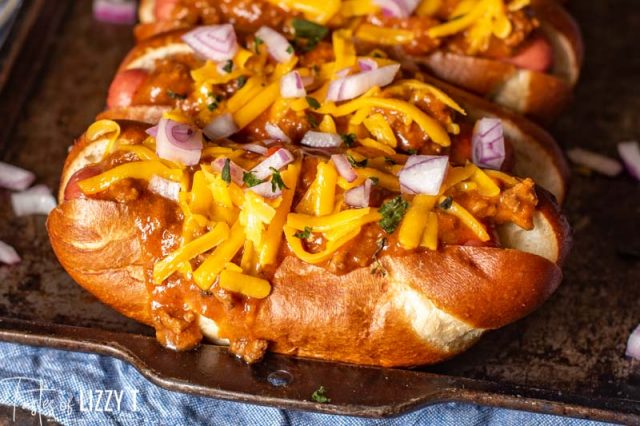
67,385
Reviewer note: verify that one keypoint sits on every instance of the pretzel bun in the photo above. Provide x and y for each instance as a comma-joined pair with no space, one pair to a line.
534,93
428,307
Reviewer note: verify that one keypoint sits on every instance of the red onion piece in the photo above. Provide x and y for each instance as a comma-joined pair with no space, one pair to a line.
152,131
344,168
215,42
255,148
178,142
220,127
321,140
633,344
292,86
630,154
15,178
277,45
115,11
425,175
601,164
397,8
343,89
367,64
277,160
165,188
8,254
359,196
343,72
36,200
276,133
236,171
487,144
265,189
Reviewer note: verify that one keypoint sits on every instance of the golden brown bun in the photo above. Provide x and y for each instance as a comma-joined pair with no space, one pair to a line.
540,95
426,308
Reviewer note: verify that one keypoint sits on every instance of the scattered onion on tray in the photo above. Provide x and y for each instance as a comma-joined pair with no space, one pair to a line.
630,154
633,344
8,254
115,11
15,178
601,164
36,200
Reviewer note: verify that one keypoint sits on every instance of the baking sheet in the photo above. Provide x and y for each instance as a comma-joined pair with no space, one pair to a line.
567,358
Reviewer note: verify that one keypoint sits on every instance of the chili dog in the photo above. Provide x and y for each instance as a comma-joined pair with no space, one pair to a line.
310,255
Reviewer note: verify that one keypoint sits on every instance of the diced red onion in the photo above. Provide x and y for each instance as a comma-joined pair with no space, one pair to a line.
397,8
344,168
359,196
236,171
115,11
343,72
215,42
633,344
277,45
601,164
292,86
178,142
36,200
277,160
425,175
308,80
367,64
630,154
345,88
220,127
487,143
276,133
164,187
8,254
255,148
152,131
265,189
321,140
15,178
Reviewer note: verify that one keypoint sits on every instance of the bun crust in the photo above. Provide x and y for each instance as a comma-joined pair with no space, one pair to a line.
425,308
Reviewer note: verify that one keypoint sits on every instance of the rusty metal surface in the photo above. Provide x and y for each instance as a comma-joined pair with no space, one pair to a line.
567,358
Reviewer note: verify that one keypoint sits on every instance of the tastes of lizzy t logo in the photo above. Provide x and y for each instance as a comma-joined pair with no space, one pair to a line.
35,395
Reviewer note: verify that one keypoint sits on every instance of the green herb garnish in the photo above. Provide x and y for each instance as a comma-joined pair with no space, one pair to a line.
313,102
313,121
303,235
290,49
256,44
389,160
349,139
250,179
412,151
374,179
446,203
308,34
215,103
320,395
241,81
377,269
226,171
355,163
392,213
174,95
228,66
276,181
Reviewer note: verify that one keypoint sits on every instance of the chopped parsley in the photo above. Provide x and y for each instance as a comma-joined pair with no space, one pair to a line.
213,105
392,212
349,139
303,235
377,269
290,49
276,181
374,179
320,395
174,95
307,34
446,203
228,66
313,102
313,121
412,151
241,81
389,160
250,179
256,44
355,163
226,171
